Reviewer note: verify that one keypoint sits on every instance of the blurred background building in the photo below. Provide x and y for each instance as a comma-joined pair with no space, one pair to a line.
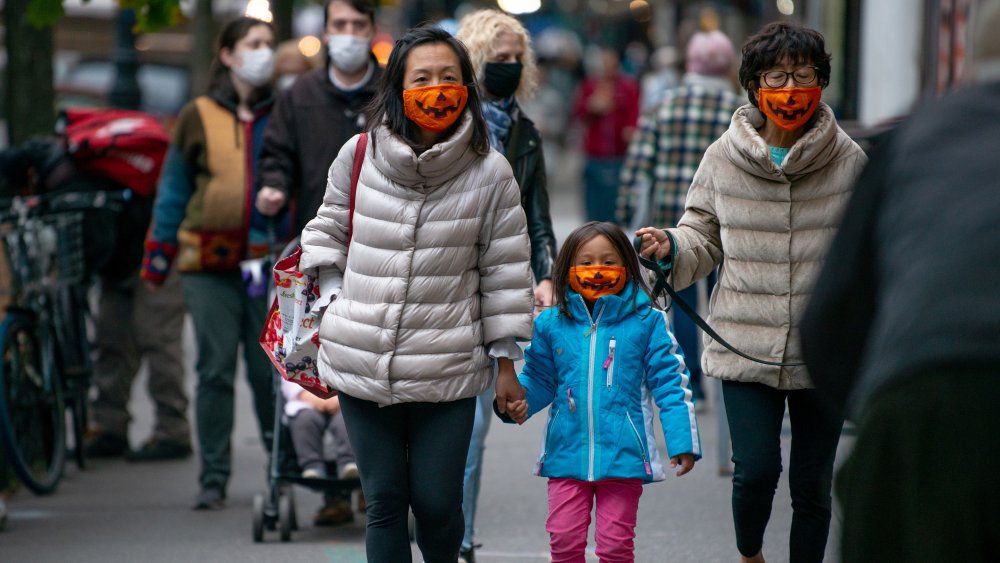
887,54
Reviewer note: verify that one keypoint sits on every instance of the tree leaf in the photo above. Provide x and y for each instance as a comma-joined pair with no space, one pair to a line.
44,13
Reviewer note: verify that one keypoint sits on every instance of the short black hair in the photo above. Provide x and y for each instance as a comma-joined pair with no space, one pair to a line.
387,105
781,40
366,7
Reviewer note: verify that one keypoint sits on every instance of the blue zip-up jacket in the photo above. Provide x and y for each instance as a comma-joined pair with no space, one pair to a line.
602,373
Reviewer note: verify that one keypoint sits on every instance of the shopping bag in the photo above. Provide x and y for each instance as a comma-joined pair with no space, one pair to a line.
291,331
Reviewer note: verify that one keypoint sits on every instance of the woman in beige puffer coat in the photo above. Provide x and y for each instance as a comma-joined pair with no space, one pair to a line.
763,207
435,287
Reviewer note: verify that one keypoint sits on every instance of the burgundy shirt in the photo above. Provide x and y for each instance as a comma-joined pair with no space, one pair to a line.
603,132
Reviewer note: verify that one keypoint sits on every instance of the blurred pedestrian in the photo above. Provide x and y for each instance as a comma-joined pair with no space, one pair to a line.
607,104
902,330
289,64
315,117
202,218
661,78
764,204
311,122
437,285
588,451
664,155
504,63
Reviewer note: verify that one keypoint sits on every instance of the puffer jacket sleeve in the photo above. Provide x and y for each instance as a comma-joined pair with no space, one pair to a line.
668,379
696,241
504,266
538,376
324,238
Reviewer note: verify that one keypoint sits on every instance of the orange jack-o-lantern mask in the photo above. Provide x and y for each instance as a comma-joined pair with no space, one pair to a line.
789,108
592,282
436,107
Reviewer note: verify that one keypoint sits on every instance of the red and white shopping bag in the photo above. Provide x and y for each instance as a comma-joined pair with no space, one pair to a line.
291,332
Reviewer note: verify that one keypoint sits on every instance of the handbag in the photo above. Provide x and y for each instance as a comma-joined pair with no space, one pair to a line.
290,337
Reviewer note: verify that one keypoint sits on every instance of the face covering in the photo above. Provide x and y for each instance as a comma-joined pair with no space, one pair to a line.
257,66
502,79
592,282
435,108
789,108
348,52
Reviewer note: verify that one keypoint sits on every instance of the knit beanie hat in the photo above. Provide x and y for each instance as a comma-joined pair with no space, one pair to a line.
710,53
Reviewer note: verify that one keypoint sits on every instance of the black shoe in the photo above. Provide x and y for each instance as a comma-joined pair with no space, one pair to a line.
159,449
105,445
467,555
210,498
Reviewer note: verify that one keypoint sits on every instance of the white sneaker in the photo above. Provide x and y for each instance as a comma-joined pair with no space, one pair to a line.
313,473
348,471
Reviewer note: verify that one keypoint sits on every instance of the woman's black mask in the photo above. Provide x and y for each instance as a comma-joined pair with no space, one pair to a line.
502,79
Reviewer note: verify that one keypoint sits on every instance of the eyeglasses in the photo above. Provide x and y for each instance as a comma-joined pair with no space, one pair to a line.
778,78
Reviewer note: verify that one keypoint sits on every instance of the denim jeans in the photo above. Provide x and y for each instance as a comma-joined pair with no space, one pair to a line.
600,180
474,462
689,335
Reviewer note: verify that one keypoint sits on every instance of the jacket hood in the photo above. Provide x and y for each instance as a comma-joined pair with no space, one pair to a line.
611,308
445,160
823,143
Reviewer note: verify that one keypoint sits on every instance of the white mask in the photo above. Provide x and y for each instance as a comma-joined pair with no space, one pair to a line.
349,53
257,66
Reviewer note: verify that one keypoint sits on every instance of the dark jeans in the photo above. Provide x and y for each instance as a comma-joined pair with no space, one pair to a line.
922,484
411,455
755,414
600,180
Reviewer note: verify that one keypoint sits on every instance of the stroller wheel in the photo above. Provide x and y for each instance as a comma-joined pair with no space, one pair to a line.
285,517
258,517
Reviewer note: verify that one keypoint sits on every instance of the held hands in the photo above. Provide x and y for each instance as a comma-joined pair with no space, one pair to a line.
510,394
655,243
686,461
270,201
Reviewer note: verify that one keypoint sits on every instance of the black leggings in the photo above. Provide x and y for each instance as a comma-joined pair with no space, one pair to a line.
755,413
411,454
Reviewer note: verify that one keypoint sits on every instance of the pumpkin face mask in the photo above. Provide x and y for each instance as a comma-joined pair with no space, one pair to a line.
435,108
592,282
789,108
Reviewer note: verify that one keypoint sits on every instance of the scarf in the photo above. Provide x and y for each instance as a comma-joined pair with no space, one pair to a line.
499,116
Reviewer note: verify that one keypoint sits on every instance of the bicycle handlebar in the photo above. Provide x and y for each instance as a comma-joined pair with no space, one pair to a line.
61,202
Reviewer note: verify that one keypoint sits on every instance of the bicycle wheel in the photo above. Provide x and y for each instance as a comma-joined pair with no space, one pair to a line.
74,362
32,419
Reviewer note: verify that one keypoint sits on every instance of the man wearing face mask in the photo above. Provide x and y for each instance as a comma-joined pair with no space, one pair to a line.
318,113
501,54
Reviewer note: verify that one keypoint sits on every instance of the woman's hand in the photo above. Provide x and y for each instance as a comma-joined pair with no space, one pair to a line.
686,461
270,201
508,387
654,242
543,296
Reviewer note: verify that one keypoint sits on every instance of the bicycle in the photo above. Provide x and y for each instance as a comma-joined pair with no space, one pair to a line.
45,363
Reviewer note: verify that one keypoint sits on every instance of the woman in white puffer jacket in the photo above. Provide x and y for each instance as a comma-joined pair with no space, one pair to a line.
436,287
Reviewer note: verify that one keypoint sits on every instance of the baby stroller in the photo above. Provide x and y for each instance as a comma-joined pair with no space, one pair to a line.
275,509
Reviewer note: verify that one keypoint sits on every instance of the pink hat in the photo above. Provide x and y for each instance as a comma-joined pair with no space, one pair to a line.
710,53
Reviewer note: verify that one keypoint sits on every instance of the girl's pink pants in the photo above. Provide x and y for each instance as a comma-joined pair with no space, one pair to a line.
570,503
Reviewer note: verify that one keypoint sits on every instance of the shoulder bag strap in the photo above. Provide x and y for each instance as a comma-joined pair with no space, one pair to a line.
359,160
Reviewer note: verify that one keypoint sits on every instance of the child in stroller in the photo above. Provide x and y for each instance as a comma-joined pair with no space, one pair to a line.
308,418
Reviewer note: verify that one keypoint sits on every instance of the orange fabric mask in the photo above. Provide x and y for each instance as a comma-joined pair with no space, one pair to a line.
592,282
435,108
789,108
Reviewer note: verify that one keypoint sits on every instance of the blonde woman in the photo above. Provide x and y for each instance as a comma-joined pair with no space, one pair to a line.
504,62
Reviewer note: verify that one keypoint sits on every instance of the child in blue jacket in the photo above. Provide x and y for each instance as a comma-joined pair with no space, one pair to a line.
601,357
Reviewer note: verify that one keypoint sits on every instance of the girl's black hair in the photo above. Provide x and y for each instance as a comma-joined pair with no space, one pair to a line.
387,105
582,234
781,40
220,82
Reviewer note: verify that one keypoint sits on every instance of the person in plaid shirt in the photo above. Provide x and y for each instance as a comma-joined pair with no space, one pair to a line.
666,150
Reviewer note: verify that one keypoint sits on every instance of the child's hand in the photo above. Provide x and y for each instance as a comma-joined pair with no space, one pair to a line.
686,462
518,410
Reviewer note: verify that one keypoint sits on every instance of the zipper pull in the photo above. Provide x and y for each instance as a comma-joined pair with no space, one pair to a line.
611,353
569,398
590,330
649,470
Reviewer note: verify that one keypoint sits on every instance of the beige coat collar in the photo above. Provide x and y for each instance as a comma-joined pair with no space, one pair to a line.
438,164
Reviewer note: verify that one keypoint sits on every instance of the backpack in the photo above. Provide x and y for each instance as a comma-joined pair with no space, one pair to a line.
126,146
